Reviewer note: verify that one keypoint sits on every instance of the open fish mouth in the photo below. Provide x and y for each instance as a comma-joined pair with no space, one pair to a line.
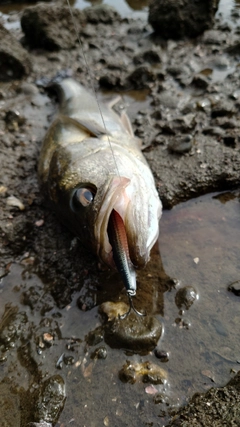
140,215
117,199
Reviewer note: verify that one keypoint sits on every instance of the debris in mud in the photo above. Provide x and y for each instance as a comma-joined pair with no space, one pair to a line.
139,334
147,372
14,59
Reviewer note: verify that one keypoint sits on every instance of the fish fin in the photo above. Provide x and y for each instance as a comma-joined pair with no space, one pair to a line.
92,128
113,101
126,123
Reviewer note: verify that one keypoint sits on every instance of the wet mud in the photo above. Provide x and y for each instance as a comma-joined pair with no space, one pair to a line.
183,98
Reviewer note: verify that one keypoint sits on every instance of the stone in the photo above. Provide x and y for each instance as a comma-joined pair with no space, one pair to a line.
14,59
185,297
50,398
51,27
101,13
175,20
136,333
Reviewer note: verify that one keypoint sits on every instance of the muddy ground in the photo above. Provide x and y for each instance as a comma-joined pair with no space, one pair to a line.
183,98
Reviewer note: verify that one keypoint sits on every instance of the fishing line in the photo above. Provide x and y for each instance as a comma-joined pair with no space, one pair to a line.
92,84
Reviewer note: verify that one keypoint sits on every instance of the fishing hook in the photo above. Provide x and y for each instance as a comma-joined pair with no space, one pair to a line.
131,307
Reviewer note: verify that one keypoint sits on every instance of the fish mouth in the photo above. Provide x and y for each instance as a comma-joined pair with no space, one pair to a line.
140,211
117,199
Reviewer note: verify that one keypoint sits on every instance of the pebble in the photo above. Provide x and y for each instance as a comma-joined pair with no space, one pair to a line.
99,353
200,81
185,297
50,398
15,202
95,337
235,288
163,356
222,108
181,145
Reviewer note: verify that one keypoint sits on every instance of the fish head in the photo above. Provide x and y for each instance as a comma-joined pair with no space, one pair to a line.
140,210
86,194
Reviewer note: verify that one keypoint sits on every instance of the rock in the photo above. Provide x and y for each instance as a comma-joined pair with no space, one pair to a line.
235,288
141,77
147,372
200,81
181,145
14,59
95,337
16,230
185,297
204,105
222,108
174,20
212,37
151,56
109,81
99,353
168,100
136,333
50,398
51,27
163,356
234,48
230,140
14,120
214,131
101,13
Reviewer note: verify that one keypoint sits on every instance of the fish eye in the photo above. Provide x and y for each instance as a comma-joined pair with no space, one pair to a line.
82,197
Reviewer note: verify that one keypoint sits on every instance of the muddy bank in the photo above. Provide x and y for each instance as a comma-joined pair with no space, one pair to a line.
189,122
218,407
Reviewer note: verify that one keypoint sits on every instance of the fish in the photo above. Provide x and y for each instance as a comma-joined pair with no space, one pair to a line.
92,171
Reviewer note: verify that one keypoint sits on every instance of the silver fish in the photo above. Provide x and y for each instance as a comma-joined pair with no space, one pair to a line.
91,170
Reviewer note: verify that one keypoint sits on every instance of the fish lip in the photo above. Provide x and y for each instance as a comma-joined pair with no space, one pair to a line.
115,198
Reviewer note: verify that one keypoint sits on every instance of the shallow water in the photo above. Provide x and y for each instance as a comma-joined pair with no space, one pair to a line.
199,245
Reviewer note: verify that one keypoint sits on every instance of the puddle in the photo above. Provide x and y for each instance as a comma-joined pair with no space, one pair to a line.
199,246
